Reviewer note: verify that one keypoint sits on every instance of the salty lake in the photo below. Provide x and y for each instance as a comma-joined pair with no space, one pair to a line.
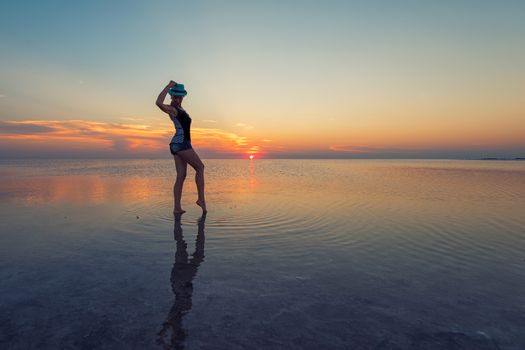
293,254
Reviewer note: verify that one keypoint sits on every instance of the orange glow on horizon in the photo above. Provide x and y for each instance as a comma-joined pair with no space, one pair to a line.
90,138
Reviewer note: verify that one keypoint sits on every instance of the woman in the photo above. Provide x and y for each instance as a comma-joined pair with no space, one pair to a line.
180,145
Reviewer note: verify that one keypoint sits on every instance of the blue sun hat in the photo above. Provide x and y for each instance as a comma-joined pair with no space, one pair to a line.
178,90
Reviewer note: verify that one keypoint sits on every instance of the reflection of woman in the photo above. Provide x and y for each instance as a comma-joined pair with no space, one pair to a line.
180,145
182,274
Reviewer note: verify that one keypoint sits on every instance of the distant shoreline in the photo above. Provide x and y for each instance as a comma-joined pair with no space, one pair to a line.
490,158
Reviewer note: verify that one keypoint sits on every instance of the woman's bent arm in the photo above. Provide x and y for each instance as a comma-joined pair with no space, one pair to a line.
160,100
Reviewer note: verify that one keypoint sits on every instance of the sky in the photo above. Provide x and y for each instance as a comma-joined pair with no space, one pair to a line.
275,79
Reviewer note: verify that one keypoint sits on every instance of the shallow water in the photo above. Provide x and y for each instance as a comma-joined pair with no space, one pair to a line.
293,254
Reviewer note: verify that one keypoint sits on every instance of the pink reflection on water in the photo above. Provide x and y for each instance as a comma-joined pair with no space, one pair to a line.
80,189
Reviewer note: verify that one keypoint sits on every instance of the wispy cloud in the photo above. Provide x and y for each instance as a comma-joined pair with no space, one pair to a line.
7,127
353,149
243,125
111,138
115,137
375,151
209,121
132,119
219,140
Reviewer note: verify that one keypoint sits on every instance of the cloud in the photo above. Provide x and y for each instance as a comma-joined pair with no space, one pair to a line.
353,149
219,140
84,138
131,119
121,144
9,127
209,121
118,139
387,152
245,126
109,139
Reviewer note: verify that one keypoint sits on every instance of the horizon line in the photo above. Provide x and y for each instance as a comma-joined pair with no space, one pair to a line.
265,158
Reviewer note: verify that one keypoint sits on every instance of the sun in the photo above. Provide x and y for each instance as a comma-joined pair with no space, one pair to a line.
251,156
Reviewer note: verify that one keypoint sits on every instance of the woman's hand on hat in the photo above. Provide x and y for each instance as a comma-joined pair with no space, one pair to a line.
172,83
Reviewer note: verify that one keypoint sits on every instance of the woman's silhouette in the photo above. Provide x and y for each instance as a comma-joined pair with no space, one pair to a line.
180,145
182,274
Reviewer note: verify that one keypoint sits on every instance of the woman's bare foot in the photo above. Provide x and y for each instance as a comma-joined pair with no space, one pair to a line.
178,211
202,204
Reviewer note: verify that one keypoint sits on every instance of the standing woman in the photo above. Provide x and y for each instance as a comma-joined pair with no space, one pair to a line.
180,145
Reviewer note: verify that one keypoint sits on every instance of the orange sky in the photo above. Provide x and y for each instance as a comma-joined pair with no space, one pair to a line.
87,138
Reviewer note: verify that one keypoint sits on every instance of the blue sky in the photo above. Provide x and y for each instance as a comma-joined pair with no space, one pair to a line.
365,72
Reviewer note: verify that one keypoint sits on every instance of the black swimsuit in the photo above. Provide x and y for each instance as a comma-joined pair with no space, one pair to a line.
182,139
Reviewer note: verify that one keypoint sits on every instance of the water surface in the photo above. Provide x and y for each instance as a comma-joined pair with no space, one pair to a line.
294,254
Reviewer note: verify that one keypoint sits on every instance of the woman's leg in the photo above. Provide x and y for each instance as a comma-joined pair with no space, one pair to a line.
191,157
180,166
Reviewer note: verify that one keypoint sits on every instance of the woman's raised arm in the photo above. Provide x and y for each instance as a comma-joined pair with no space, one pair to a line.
160,100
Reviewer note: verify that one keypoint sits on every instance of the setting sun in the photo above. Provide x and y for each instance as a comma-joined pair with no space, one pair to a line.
251,156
